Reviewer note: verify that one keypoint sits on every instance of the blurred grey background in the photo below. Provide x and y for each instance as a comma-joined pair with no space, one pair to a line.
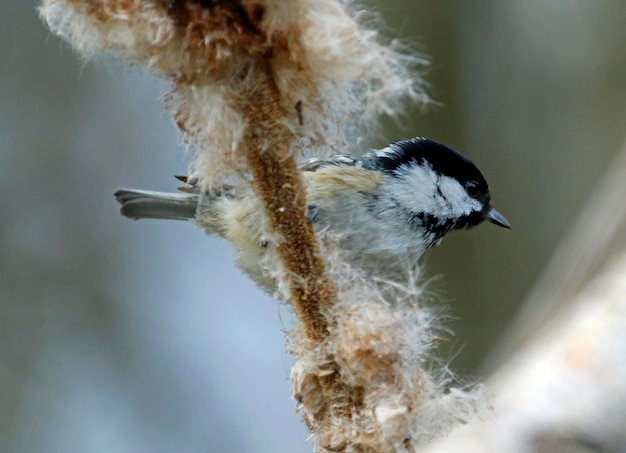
118,336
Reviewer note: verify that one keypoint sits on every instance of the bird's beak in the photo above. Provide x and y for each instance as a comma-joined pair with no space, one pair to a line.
496,218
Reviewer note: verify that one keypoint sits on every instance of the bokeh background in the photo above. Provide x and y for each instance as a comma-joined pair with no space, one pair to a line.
120,336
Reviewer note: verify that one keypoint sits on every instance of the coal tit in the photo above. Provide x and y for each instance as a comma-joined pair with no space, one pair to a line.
384,208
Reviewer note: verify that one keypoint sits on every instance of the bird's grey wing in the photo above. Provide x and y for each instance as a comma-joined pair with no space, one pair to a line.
148,204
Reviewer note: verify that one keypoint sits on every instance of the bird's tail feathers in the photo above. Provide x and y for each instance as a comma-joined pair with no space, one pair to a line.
148,204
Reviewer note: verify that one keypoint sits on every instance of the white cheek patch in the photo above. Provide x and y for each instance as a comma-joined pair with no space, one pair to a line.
419,189
456,198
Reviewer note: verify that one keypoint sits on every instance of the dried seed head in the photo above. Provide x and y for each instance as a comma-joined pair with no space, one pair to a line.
329,71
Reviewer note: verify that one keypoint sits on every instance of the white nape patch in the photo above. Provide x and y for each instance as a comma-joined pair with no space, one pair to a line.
388,151
414,187
418,188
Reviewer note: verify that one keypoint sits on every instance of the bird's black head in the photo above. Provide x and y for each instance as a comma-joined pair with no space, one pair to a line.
439,189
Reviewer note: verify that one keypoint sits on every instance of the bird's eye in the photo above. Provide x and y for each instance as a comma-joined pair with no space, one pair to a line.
472,188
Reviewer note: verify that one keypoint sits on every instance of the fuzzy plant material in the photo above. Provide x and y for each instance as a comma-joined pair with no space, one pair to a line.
255,85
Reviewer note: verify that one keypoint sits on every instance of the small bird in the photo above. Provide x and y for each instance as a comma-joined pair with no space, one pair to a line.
383,208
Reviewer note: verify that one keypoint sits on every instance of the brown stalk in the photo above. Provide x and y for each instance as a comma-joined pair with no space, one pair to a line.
278,183
266,146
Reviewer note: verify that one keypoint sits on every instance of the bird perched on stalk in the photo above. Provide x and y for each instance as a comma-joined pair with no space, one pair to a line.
383,209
